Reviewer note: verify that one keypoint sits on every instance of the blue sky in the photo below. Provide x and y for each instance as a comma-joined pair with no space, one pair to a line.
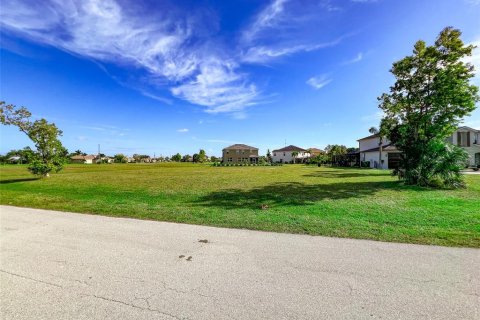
176,76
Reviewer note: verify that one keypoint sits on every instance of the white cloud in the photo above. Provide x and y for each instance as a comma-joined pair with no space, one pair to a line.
183,130
269,17
163,46
319,82
283,28
358,58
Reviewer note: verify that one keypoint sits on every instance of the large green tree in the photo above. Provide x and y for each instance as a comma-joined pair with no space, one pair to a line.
50,155
431,96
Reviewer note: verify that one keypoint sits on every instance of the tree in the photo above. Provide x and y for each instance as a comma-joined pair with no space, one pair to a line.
214,159
78,153
202,156
120,158
269,155
50,154
186,158
431,96
176,158
294,155
373,130
196,157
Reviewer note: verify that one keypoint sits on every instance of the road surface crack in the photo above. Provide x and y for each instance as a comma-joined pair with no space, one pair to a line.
32,279
136,307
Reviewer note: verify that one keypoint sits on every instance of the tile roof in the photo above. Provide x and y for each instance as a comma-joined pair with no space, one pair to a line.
240,147
290,148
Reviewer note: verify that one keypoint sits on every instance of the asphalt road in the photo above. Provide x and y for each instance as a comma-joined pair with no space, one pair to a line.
71,266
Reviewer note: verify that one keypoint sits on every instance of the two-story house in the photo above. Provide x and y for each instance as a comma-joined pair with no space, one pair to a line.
380,153
290,154
468,139
383,155
240,153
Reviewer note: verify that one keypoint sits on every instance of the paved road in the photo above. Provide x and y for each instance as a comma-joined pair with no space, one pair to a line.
72,266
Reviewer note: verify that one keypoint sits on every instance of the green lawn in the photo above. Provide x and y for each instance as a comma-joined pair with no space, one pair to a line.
354,203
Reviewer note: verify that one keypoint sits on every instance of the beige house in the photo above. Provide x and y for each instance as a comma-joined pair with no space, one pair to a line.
468,139
83,159
240,153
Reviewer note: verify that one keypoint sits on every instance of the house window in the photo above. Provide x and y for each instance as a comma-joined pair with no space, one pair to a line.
238,151
476,139
274,154
226,152
462,139
284,154
230,160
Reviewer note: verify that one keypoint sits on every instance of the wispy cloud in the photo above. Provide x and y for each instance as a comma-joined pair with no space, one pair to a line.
164,45
319,82
183,130
358,58
283,28
169,51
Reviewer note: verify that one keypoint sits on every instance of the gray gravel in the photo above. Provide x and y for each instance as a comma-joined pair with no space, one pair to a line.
57,265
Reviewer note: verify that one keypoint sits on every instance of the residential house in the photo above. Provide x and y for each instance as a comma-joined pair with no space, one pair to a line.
385,155
240,153
379,153
15,159
88,159
468,139
315,152
286,155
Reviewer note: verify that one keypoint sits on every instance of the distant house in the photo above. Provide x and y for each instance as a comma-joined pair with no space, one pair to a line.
468,139
315,152
83,159
285,155
380,153
240,153
15,159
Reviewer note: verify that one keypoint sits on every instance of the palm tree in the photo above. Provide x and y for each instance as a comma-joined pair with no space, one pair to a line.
294,155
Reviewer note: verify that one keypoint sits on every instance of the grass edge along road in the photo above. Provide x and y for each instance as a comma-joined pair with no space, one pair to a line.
340,202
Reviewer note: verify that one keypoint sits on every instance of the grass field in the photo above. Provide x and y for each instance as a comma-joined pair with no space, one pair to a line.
354,203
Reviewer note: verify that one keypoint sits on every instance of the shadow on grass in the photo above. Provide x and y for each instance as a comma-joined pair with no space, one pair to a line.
296,194
7,181
347,174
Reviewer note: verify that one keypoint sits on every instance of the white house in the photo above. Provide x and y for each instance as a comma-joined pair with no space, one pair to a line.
382,155
386,155
468,139
285,155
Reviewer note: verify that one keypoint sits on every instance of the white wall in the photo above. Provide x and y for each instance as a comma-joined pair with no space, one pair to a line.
286,156
371,143
374,157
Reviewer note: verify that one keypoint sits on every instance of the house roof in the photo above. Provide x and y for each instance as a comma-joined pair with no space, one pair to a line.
388,147
290,148
315,150
376,135
468,128
80,157
240,147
